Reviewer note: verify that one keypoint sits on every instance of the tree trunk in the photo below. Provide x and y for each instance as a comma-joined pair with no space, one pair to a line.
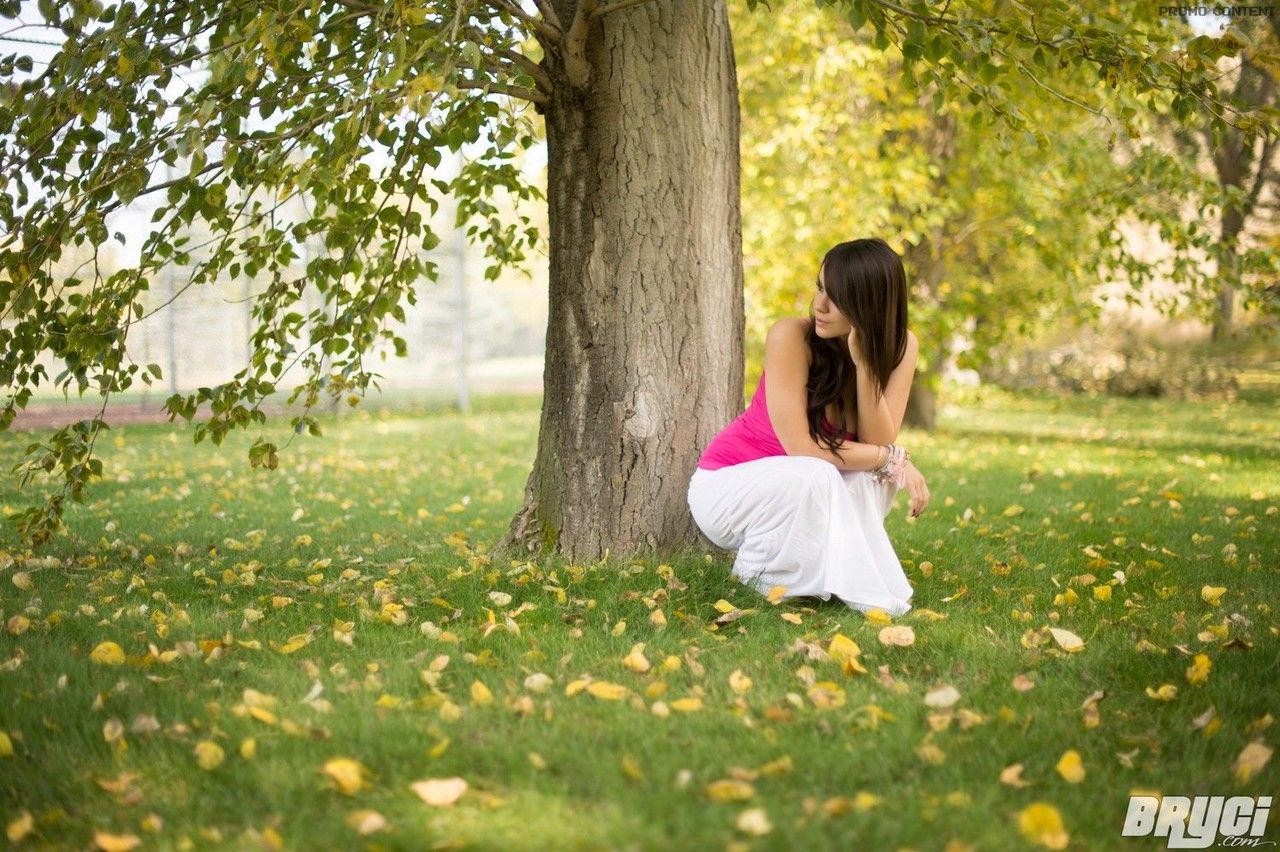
922,405
644,335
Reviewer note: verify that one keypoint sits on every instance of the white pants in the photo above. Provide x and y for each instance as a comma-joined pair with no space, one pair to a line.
802,523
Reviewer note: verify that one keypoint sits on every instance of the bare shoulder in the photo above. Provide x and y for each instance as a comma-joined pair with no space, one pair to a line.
788,329
913,343
785,344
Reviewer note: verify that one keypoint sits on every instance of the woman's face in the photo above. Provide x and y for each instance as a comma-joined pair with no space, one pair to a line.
828,321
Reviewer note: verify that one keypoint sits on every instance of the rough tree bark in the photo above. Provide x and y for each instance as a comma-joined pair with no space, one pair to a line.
644,337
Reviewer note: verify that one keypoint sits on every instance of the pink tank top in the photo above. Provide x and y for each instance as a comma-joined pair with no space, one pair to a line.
750,436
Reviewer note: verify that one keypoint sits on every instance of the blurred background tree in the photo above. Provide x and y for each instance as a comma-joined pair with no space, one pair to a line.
1003,237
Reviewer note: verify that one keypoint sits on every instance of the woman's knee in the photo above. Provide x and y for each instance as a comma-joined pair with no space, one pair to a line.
817,472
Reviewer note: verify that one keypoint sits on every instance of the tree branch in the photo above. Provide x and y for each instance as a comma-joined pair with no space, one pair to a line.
548,12
542,28
575,43
530,95
1259,177
617,6
522,62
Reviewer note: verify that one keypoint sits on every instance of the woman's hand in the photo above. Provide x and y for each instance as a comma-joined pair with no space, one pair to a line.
917,489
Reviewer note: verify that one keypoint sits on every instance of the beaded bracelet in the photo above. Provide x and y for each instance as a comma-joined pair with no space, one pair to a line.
895,467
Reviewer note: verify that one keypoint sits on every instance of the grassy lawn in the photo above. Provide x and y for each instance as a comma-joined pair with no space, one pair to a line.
342,610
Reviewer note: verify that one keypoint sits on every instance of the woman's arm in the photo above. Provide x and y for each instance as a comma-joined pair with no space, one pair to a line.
880,419
786,363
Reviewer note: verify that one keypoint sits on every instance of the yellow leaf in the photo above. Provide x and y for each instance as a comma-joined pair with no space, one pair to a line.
943,696
878,616
1102,593
6,745
1022,683
723,605
826,695
1012,775
739,682
730,790
776,594
574,687
346,773
480,694
898,634
864,801
607,691
1067,640
262,714
792,617
1198,671
366,821
20,827
1070,767
440,792
842,648
1040,822
754,821
115,842
248,748
657,619
687,705
107,654
636,660
930,753
1250,761
632,769
209,754
1212,595
1166,692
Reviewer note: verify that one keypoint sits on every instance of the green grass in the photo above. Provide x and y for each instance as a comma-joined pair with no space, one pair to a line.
1029,492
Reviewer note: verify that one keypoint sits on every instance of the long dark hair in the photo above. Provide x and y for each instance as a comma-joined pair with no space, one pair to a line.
866,282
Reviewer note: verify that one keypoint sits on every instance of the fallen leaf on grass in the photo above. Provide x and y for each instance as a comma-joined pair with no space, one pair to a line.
607,691
1198,671
346,774
1067,641
1250,761
754,821
1012,776
900,635
1092,718
636,660
115,842
730,790
209,754
366,821
943,696
1070,767
20,827
1041,822
1212,595
107,654
440,792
